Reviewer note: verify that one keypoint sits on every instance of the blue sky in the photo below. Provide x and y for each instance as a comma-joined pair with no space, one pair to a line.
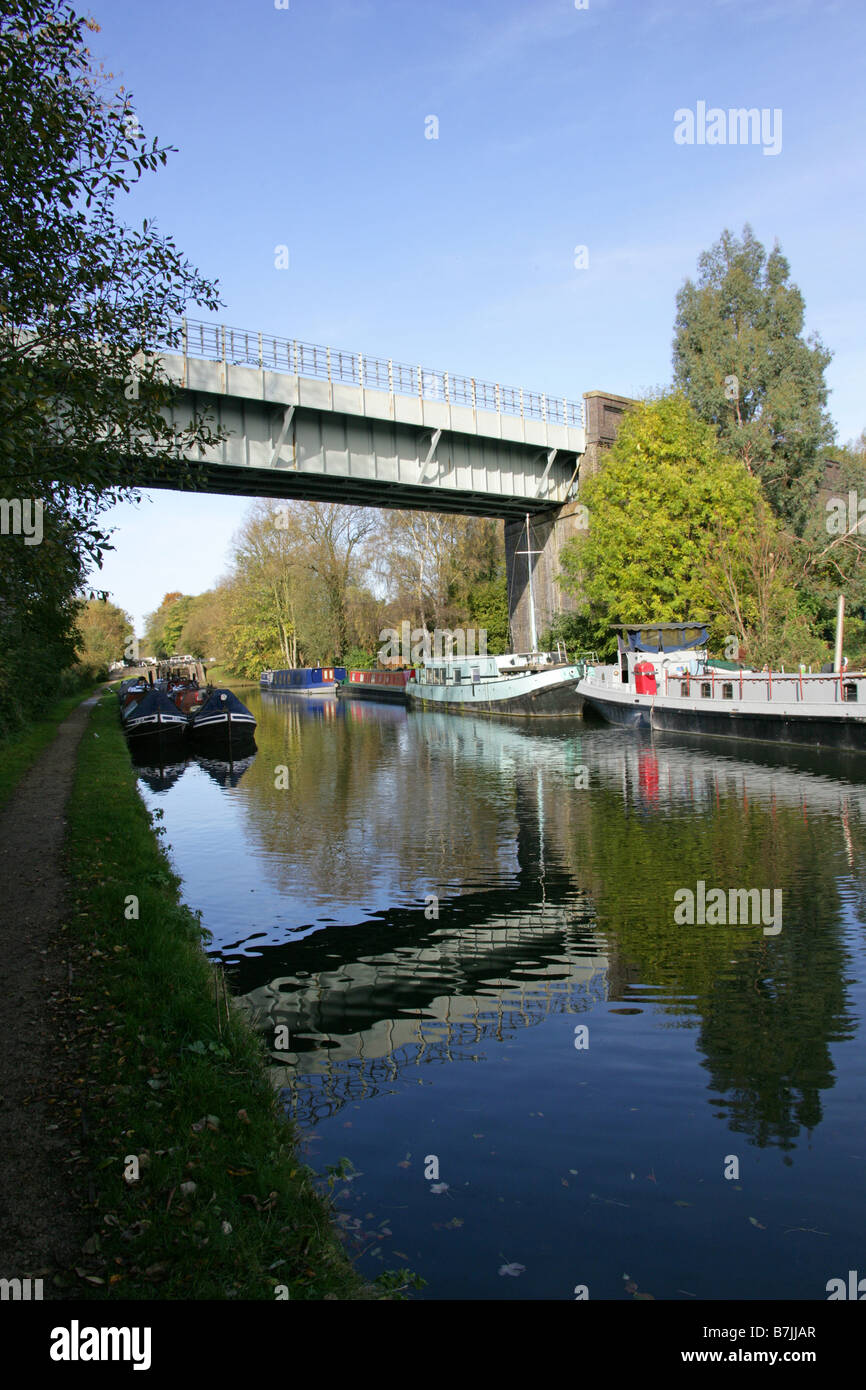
305,127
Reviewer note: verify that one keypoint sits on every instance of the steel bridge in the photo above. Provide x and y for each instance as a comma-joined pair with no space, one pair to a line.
321,423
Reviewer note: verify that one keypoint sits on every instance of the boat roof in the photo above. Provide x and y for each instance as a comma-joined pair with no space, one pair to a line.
659,637
658,627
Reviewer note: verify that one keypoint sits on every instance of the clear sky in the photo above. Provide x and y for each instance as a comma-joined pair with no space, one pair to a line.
306,127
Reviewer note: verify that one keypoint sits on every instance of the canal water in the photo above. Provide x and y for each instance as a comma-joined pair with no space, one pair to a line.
463,942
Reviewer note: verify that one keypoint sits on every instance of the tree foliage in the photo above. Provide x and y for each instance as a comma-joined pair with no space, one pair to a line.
103,633
664,504
82,296
744,318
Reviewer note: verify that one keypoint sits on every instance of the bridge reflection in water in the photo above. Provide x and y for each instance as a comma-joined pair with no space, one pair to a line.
506,974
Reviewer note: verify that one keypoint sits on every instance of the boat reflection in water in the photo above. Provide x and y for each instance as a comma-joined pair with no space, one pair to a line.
228,771
321,704
159,776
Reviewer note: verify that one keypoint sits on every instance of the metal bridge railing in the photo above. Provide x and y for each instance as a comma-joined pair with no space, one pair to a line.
217,343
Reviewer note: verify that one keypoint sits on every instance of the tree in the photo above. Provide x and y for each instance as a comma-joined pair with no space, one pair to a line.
154,626
744,318
655,512
103,632
446,571
200,631
83,407
336,535
752,578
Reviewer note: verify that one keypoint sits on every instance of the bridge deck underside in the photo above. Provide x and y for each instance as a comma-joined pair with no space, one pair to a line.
236,481
275,450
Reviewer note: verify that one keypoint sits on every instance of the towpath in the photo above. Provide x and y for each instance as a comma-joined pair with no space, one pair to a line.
42,1222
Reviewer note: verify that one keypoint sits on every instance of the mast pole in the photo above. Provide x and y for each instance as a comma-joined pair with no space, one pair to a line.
529,553
840,623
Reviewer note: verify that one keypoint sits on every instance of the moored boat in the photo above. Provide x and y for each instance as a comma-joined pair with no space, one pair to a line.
663,679
304,680
388,686
222,718
153,716
527,683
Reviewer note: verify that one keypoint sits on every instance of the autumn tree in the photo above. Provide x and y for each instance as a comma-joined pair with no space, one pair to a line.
103,632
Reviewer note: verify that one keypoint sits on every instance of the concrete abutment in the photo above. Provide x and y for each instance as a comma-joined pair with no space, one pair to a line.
550,531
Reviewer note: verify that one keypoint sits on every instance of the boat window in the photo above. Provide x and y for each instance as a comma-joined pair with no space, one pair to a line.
476,673
684,687
706,690
727,691
849,691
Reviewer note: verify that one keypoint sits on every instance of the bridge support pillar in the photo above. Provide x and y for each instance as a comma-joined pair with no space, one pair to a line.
549,532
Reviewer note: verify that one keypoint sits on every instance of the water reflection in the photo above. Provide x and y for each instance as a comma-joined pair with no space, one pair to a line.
434,901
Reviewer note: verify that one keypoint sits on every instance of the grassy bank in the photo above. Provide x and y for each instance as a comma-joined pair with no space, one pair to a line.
19,753
161,1067
220,675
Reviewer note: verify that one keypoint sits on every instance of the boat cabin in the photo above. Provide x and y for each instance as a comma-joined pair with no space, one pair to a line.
457,671
467,670
675,649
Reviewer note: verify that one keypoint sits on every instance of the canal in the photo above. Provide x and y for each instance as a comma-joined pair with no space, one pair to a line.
460,939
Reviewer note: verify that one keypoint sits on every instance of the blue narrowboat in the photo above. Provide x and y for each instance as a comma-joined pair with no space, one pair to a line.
304,680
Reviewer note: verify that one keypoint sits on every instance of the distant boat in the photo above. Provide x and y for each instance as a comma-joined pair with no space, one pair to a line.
304,680
389,686
527,683
222,718
187,698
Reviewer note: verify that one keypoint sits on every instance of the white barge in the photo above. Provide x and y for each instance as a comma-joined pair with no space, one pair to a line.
526,683
665,680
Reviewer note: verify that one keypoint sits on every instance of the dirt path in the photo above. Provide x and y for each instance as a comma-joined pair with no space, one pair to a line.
41,1221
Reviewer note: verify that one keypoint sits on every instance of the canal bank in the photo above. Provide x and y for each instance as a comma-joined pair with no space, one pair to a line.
172,1173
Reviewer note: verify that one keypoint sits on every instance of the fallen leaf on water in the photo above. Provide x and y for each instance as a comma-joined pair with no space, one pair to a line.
757,1223
682,1204
513,1269
647,1297
631,1286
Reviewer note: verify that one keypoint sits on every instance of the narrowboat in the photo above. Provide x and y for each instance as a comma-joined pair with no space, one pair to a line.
664,679
519,683
222,718
153,716
304,680
389,686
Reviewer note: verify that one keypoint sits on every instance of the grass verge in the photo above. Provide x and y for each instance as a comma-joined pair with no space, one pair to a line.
161,1069
219,675
18,754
